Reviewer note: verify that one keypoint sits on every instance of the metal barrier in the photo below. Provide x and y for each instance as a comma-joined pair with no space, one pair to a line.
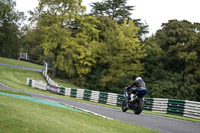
192,109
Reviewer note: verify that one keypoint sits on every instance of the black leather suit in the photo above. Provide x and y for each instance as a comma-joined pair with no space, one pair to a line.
139,84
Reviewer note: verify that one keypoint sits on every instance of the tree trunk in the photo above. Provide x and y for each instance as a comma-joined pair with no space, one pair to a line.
54,72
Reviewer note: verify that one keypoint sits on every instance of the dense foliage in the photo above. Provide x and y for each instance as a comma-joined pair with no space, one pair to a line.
10,29
104,50
172,67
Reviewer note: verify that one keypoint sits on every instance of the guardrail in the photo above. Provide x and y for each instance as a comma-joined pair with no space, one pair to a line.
169,106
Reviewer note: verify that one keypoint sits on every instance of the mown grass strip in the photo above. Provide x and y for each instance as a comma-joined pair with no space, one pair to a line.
25,116
15,76
32,99
20,63
65,83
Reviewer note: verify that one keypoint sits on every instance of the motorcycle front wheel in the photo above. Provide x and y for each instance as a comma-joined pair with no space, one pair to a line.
124,109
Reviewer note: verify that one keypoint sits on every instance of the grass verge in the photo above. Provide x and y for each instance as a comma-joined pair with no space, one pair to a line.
15,77
20,63
25,116
65,83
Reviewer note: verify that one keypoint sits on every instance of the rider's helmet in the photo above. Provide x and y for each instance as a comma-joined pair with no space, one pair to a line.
138,78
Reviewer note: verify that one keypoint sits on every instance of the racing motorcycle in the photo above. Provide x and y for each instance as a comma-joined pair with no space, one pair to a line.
136,103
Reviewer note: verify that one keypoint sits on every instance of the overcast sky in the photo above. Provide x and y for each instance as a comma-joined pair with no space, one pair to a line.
153,12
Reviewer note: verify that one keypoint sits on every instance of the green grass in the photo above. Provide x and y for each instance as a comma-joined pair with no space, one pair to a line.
20,63
14,92
65,83
16,78
19,116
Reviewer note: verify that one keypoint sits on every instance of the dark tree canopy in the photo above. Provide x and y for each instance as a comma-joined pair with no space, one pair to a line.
10,20
116,9
172,66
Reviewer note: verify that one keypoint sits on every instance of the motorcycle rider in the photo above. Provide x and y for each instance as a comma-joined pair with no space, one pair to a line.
138,83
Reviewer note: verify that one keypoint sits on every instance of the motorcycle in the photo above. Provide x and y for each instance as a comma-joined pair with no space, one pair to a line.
136,103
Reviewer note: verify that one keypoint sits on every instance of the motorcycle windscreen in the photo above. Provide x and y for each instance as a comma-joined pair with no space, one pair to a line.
141,92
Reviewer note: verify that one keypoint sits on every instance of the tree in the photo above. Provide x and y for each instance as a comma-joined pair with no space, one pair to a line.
173,38
153,67
55,21
87,37
118,11
32,40
104,23
68,34
120,54
10,30
179,42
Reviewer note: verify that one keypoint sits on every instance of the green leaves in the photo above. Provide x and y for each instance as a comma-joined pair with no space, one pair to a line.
115,9
69,35
172,67
10,28
85,61
121,53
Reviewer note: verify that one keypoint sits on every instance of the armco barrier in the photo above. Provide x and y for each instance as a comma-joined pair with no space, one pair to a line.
192,109
29,82
170,106
120,99
36,84
95,96
112,99
73,92
40,85
148,104
61,91
54,89
103,97
87,95
160,105
175,107
67,91
80,93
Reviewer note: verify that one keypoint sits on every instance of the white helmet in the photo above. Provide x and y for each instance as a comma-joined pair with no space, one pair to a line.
138,78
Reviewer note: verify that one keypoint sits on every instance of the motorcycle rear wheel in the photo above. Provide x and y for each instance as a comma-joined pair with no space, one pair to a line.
140,106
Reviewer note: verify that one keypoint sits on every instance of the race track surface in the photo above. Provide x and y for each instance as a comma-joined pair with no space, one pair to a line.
20,67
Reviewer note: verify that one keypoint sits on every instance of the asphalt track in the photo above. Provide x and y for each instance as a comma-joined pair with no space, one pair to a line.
20,67
158,123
